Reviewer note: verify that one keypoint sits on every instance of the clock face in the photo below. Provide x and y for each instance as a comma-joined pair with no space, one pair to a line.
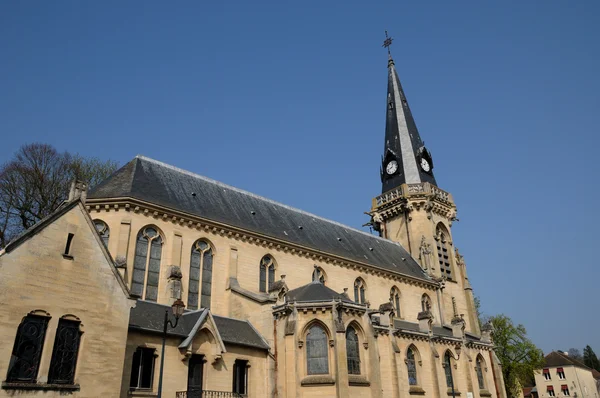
425,165
391,167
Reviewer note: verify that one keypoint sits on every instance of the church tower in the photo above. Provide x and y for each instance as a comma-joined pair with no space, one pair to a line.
412,210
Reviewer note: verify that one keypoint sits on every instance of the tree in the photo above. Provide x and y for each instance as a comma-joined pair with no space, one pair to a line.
590,359
36,181
575,354
518,355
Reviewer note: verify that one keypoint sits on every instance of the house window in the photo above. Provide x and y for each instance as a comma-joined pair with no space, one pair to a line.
561,373
146,264
240,377
547,374
29,342
448,370
201,259
443,251
317,352
103,231
565,390
142,369
550,390
64,353
479,371
412,367
359,291
267,273
395,300
352,351
318,275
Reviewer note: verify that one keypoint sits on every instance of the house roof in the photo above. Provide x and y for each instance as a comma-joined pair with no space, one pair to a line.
596,374
557,358
148,316
315,291
161,184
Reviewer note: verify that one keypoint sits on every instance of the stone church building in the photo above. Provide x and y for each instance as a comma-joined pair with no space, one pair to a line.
279,302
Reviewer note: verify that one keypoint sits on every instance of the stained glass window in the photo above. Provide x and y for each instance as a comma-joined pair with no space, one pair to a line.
146,264
103,231
479,372
201,259
448,370
359,291
64,353
352,351
317,351
29,342
395,299
412,367
266,266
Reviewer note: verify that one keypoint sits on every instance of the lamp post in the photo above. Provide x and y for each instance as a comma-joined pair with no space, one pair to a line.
177,307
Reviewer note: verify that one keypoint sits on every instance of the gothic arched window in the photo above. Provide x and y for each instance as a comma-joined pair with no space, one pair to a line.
352,351
448,370
267,273
359,291
443,250
318,275
425,303
27,350
146,264
411,365
103,231
317,351
479,371
201,263
395,299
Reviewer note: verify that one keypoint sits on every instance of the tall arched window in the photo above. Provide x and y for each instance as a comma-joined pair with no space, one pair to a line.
395,299
318,275
103,231
359,291
443,251
352,351
448,370
411,365
267,273
479,371
200,263
317,352
425,303
146,264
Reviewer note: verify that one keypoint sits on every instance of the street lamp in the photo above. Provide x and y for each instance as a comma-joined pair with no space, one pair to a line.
177,308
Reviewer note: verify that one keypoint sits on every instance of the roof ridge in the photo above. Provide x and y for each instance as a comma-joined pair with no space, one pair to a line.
221,184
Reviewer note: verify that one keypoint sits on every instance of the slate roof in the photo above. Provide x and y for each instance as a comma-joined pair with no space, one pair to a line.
159,183
149,316
235,331
557,358
315,291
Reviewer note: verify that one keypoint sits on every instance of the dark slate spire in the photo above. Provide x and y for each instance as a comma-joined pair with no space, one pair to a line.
405,158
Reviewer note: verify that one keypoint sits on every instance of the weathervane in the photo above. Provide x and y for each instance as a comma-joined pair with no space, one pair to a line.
387,42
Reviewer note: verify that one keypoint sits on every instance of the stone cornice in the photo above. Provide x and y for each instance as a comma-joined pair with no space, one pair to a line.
209,226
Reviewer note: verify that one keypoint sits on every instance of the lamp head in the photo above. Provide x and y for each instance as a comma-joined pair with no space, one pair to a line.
178,306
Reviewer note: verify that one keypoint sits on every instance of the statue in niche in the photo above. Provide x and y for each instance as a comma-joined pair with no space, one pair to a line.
425,254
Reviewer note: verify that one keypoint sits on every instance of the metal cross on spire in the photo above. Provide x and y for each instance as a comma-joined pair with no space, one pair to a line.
387,42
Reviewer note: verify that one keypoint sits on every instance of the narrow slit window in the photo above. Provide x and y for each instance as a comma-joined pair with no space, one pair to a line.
70,237
142,369
240,377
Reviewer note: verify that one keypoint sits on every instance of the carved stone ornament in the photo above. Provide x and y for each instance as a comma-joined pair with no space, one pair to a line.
366,345
120,262
175,272
331,343
300,343
425,253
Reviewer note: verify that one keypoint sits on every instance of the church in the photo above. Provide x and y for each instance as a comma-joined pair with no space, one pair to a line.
253,298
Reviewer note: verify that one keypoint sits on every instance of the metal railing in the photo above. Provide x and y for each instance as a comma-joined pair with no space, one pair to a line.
207,394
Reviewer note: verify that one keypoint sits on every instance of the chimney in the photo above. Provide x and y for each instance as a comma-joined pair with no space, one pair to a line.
78,191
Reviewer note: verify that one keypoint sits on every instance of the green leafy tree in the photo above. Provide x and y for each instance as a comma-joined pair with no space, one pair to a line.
590,359
518,355
36,181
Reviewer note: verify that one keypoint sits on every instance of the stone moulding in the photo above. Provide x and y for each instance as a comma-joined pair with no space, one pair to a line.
208,226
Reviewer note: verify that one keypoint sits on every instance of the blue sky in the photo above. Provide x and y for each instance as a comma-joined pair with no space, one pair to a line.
287,100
